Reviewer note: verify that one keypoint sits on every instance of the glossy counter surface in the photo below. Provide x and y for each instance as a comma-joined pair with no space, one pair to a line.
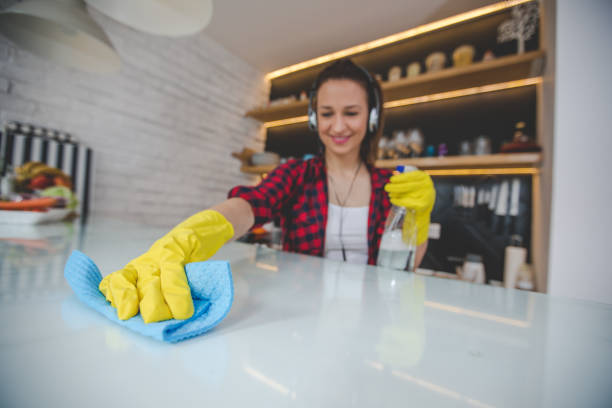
302,332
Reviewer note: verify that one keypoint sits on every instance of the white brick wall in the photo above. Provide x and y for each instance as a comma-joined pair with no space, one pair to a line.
162,129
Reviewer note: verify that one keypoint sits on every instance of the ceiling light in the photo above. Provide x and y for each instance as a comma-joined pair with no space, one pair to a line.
62,31
171,18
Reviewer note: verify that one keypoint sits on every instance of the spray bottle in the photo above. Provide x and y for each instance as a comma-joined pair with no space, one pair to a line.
398,243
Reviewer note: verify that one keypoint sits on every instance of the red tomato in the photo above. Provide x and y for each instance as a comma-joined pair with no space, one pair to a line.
40,182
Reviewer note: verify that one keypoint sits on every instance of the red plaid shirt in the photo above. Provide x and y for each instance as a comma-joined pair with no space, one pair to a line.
296,193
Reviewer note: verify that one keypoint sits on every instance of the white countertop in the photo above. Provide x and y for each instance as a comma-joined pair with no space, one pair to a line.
303,331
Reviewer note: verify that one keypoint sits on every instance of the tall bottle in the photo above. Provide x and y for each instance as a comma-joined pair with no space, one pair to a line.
515,257
398,243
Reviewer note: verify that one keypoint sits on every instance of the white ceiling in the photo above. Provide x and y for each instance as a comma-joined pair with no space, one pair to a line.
271,34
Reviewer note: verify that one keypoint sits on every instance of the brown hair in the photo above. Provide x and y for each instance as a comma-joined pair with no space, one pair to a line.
346,69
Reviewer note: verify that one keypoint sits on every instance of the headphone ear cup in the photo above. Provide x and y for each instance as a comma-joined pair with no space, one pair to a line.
312,113
373,122
312,120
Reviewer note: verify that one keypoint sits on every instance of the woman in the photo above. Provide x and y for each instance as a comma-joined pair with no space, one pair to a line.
333,205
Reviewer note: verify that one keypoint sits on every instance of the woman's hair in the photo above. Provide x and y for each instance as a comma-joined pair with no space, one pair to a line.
346,69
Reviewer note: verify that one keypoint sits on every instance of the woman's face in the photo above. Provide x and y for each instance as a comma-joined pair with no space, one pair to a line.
342,112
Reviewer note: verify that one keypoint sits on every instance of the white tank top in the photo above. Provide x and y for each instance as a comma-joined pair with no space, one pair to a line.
354,233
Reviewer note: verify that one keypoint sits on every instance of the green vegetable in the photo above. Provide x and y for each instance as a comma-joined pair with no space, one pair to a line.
61,191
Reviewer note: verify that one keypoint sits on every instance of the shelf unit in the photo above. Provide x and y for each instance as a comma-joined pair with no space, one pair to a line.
409,96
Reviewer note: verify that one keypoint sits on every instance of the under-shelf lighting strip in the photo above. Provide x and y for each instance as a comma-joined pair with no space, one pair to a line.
500,171
285,122
429,98
404,35
483,172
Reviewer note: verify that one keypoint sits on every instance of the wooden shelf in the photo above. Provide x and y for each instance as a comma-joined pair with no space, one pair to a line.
257,169
499,70
279,112
505,160
503,69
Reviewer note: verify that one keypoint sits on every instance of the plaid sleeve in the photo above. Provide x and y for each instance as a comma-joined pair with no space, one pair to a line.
269,196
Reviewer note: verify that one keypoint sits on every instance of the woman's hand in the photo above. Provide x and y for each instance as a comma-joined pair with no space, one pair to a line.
155,282
414,190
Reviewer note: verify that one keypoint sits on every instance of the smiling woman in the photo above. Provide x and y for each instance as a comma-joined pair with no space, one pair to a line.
333,205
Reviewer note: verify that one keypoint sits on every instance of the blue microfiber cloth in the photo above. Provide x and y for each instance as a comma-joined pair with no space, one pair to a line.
211,289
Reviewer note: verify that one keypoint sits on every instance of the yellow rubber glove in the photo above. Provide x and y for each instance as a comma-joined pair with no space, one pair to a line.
155,282
414,190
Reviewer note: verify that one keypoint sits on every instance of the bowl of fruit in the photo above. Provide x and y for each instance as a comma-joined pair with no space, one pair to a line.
39,193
